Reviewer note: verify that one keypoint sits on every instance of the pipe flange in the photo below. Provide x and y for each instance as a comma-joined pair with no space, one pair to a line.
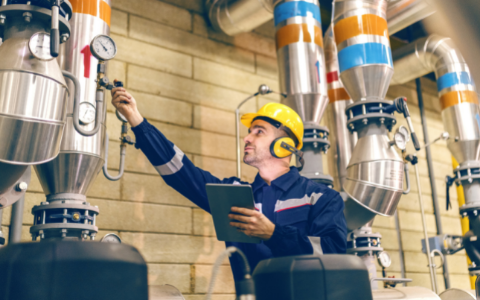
63,231
37,12
359,115
317,136
467,173
470,210
361,250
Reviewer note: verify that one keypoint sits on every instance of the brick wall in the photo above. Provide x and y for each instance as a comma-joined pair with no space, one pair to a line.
188,81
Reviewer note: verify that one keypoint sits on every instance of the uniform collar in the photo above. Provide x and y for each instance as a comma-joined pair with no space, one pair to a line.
283,182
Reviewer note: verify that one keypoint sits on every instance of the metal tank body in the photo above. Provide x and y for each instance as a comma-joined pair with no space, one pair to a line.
81,157
300,58
342,139
457,294
374,179
32,99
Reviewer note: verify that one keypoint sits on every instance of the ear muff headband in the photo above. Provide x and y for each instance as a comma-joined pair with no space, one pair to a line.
284,147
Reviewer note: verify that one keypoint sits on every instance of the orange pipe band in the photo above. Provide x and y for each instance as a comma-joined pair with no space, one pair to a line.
96,8
338,95
295,33
456,97
357,25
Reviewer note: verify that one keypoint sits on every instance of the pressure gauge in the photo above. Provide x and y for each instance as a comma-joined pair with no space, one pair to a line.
39,46
384,259
405,132
87,113
400,140
103,47
111,238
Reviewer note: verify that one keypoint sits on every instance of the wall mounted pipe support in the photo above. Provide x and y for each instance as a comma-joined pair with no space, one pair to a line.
76,107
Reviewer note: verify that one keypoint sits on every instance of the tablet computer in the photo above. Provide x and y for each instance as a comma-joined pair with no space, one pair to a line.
221,198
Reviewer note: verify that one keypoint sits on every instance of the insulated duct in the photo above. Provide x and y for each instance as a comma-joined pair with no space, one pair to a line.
301,65
342,139
460,114
236,16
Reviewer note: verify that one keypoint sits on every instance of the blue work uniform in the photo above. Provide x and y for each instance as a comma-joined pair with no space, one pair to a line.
308,216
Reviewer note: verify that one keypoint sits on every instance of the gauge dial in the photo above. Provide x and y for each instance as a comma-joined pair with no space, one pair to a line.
111,238
87,113
384,259
39,46
404,131
103,47
400,140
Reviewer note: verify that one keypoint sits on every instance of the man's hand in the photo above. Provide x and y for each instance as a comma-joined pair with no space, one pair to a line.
253,223
126,105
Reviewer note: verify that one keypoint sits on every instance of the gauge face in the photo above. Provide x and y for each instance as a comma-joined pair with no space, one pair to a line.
121,117
111,238
87,113
404,131
103,47
39,46
384,259
400,140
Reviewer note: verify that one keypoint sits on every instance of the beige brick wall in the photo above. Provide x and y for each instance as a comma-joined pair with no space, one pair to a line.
188,81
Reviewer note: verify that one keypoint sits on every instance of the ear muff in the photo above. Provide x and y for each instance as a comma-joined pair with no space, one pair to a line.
278,151
284,147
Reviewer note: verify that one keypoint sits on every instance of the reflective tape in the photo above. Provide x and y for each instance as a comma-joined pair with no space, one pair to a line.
338,95
457,97
294,33
363,54
316,245
451,79
361,24
296,9
293,203
174,165
332,76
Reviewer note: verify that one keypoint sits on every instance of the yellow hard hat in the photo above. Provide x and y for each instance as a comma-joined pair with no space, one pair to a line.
280,113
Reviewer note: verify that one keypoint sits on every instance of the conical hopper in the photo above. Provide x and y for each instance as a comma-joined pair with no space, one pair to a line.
363,45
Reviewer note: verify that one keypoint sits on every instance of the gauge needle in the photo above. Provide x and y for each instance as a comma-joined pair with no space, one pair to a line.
103,46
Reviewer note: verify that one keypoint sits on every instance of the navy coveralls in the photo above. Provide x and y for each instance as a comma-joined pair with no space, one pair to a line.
308,216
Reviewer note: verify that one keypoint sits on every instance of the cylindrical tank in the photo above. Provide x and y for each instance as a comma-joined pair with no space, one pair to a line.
32,91
300,56
457,294
69,176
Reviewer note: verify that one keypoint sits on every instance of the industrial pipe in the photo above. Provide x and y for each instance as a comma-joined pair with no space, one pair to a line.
76,108
16,221
236,16
121,168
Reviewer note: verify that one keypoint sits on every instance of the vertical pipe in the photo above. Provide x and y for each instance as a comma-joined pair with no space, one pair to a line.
15,233
433,275
400,247
431,173
465,221
1,219
237,132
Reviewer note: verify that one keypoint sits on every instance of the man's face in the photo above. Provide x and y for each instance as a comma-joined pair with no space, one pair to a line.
257,143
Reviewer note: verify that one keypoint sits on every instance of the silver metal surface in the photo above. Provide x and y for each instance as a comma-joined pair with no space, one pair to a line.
164,292
460,123
301,68
16,221
401,14
374,178
81,157
457,294
70,172
367,81
405,293
237,16
32,105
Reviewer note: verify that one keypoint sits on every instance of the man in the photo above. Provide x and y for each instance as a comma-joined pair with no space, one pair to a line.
293,215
